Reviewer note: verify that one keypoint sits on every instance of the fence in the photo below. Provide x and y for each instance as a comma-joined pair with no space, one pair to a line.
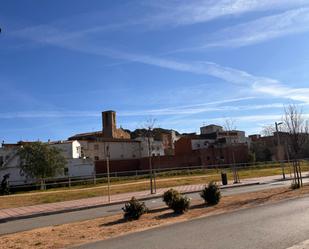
241,169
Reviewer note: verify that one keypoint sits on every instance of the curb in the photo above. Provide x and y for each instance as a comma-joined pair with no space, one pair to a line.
73,209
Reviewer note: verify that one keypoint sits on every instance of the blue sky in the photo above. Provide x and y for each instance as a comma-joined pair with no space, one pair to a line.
184,63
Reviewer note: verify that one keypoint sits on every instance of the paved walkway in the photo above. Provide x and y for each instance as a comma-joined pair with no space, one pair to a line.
66,206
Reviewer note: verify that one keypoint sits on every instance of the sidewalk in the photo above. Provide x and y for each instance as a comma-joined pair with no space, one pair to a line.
67,206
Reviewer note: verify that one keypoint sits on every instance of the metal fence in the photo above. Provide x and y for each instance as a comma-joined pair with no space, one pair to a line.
217,169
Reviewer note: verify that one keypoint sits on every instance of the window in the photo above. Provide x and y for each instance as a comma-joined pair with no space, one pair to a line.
1,161
96,147
198,145
96,158
66,171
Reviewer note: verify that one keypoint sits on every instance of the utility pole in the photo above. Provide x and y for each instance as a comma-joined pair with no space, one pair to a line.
278,147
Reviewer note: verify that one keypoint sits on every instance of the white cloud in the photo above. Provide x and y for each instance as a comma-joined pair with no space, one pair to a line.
178,13
255,84
263,29
215,106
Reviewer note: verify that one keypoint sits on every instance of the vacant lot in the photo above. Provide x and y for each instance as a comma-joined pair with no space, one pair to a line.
119,185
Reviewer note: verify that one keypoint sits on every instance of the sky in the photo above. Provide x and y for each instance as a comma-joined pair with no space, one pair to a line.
183,63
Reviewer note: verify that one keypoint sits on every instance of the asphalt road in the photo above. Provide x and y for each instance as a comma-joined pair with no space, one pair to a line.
276,226
58,219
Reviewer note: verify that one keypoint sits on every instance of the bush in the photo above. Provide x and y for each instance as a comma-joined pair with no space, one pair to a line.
169,196
134,209
211,194
176,201
180,204
295,185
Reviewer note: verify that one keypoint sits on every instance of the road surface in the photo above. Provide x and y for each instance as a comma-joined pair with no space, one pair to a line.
277,226
58,219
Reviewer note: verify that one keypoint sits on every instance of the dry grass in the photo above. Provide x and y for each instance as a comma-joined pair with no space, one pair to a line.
126,186
67,235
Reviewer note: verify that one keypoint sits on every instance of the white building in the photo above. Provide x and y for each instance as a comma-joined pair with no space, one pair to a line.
147,145
76,165
117,149
116,142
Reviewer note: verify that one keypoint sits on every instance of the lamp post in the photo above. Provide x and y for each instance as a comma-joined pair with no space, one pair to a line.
278,145
108,174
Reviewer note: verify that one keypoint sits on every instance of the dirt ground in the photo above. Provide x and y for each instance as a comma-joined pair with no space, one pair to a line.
72,234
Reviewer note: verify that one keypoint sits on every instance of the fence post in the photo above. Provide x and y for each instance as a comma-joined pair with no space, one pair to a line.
94,179
69,182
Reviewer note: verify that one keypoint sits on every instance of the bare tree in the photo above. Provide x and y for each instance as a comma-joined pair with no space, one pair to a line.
268,130
297,128
147,131
229,125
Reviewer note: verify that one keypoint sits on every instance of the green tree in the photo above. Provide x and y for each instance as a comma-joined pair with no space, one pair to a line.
39,160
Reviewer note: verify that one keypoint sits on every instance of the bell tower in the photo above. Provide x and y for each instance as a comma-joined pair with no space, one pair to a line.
109,124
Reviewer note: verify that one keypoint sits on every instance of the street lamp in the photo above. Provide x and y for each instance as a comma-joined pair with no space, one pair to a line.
278,144
107,157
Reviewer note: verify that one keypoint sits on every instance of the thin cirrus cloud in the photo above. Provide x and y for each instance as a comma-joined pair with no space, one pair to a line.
263,29
256,84
180,13
177,111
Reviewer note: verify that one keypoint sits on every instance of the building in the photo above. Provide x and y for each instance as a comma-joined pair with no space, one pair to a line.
229,137
115,142
71,150
266,148
168,139
150,147
214,146
208,129
116,149
109,130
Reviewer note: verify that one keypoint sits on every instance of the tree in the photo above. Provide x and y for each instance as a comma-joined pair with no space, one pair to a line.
229,126
149,126
268,130
39,160
297,128
147,134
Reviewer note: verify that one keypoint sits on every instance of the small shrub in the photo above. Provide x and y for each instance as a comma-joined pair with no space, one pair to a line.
211,194
180,204
134,209
174,200
169,196
295,185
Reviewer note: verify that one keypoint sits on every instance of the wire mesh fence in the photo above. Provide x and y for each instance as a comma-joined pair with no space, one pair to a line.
233,171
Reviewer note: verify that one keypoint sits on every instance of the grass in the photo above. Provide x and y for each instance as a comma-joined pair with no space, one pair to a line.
132,184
